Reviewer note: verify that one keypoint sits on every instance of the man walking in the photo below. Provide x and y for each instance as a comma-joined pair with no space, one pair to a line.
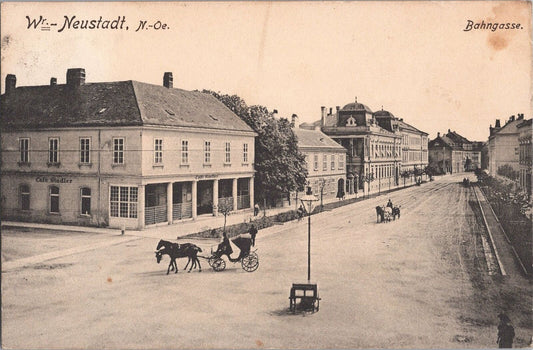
505,332
253,233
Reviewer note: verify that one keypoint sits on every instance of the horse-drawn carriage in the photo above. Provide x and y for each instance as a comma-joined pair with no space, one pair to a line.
249,259
387,213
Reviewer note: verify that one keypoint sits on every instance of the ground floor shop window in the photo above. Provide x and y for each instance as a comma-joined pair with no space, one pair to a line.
123,201
25,197
86,201
54,199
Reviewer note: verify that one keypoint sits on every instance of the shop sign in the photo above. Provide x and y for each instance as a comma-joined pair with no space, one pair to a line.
53,179
207,176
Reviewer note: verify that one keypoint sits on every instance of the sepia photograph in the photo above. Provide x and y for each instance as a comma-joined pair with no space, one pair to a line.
266,175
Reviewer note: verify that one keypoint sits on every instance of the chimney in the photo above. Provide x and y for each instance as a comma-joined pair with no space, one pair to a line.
497,125
168,80
275,113
438,134
294,121
330,111
520,116
75,76
53,81
449,131
512,118
338,108
323,116
11,82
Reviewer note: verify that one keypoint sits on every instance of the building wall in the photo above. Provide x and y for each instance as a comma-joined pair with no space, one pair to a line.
414,150
525,156
324,179
503,149
441,158
37,178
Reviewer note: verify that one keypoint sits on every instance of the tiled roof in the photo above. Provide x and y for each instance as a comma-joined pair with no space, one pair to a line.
315,139
404,125
124,103
355,106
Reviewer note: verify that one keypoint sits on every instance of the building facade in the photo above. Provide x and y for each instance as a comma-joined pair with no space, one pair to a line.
121,154
325,161
453,153
504,146
525,141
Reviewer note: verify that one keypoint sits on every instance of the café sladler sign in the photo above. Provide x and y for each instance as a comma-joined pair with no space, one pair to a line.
53,179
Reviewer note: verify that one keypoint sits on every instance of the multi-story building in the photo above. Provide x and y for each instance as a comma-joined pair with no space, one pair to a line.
325,161
525,141
453,153
120,153
373,158
504,146
414,144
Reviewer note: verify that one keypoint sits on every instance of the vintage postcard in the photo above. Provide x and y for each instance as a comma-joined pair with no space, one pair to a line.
275,174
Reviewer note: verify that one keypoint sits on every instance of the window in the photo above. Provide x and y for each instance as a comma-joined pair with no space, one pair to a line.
86,201
24,147
54,199
184,152
158,151
332,162
315,162
123,201
341,161
24,197
227,158
245,153
118,150
207,152
53,150
85,149
324,162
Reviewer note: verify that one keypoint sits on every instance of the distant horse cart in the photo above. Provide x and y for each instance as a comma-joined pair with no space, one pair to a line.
249,259
386,214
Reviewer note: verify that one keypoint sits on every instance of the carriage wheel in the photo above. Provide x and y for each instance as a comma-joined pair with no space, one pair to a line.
218,264
250,262
211,260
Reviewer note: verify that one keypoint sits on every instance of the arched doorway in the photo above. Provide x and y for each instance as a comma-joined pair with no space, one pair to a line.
340,188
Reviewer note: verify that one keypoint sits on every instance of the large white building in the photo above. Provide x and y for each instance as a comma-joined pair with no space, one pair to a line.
120,153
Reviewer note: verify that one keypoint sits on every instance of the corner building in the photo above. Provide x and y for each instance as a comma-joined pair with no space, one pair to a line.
121,154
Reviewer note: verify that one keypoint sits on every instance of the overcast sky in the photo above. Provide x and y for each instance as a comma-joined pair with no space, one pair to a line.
412,58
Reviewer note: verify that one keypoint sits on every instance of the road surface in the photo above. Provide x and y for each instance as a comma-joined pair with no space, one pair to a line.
418,282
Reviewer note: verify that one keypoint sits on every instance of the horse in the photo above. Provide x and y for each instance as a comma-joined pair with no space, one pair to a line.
380,214
396,211
175,251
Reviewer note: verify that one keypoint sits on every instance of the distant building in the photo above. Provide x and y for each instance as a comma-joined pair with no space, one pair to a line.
453,153
503,145
120,153
325,160
379,145
525,141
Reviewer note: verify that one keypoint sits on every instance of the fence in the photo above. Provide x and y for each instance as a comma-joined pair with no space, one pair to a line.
154,215
181,210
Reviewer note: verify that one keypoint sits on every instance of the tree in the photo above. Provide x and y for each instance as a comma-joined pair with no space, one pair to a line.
280,166
225,207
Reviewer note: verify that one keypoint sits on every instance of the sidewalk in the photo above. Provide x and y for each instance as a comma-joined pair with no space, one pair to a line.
507,257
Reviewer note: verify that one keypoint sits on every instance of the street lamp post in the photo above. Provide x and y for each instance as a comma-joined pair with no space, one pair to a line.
307,201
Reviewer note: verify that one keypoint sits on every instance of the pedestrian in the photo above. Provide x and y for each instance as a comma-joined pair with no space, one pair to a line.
389,204
301,212
505,332
253,233
256,209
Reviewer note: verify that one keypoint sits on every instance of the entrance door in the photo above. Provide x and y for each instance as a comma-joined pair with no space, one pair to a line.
205,197
155,199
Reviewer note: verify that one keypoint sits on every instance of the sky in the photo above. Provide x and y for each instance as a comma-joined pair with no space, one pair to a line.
413,59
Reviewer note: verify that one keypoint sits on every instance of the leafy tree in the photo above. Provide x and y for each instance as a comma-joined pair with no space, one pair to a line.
280,166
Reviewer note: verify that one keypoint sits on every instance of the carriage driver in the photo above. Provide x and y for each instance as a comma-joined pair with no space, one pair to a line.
225,247
389,204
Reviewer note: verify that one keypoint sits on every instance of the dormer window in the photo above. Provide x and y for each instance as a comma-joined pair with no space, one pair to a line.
351,122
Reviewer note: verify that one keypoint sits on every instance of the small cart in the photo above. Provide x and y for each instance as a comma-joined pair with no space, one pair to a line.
307,294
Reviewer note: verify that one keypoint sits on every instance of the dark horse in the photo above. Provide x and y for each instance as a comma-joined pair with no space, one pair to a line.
175,251
380,212
396,212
